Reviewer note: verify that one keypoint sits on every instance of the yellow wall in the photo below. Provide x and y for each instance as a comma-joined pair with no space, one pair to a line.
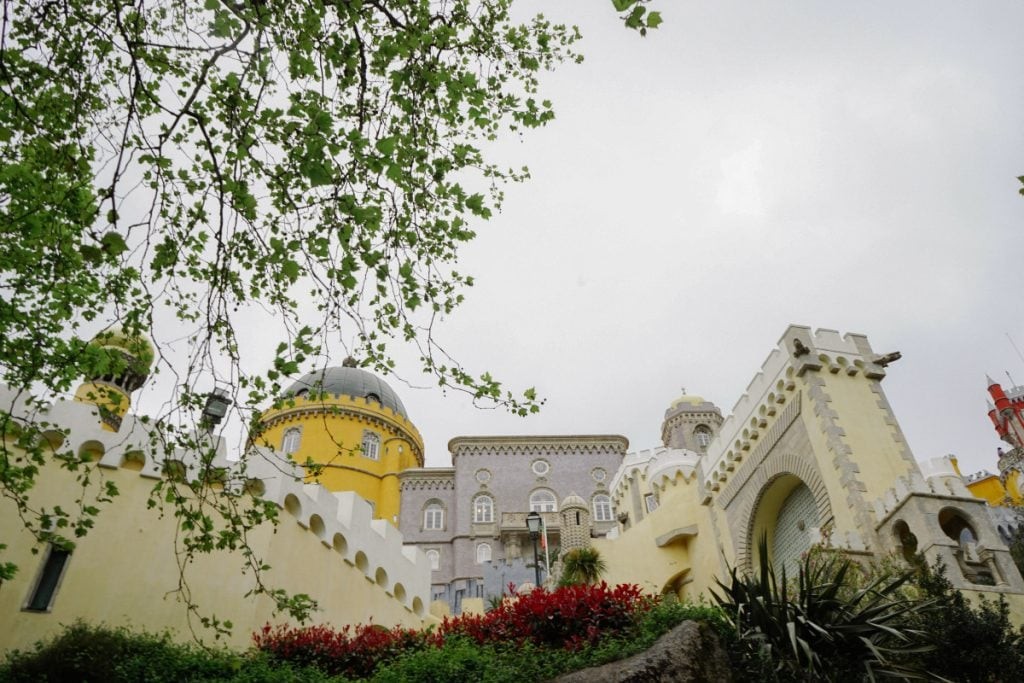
125,572
687,566
871,439
332,434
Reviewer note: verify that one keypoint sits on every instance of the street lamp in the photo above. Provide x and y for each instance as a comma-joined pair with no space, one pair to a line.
533,524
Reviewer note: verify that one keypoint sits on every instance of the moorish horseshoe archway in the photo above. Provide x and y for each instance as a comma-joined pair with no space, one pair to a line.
761,481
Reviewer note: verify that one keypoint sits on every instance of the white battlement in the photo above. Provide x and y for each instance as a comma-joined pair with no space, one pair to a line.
657,465
340,520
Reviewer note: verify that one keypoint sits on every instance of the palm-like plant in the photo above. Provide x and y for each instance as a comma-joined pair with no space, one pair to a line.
823,631
582,565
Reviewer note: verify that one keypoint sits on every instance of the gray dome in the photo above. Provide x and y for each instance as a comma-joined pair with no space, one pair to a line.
349,381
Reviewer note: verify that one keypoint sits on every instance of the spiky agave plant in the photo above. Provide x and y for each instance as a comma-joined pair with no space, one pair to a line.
824,630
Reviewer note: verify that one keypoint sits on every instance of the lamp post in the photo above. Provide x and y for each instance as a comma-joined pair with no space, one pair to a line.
533,524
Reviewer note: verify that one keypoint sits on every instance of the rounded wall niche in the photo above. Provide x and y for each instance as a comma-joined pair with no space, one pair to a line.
906,541
340,545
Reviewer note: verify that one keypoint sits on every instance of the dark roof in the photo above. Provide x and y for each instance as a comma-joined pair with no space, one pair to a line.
348,381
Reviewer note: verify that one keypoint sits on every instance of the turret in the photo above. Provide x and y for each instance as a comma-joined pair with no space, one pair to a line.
118,363
351,432
691,423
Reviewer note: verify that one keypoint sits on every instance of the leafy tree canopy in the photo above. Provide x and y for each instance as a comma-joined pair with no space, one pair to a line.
212,162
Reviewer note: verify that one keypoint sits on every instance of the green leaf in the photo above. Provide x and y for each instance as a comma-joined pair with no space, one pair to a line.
386,146
290,269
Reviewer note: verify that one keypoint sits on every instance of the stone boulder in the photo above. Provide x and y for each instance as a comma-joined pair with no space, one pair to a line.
689,652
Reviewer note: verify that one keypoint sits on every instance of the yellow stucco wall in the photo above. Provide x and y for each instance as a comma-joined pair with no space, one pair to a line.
126,572
871,439
686,566
332,433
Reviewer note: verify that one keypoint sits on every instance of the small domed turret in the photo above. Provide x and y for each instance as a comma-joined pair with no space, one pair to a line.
122,363
690,422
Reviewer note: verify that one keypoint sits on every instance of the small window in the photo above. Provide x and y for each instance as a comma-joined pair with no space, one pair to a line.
49,579
371,445
602,508
373,397
483,509
651,502
483,553
703,435
599,474
291,440
543,501
433,517
540,467
435,559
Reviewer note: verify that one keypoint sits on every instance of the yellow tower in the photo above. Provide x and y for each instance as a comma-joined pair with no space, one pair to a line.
350,431
123,362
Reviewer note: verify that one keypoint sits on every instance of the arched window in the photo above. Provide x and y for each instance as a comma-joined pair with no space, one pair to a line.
433,516
702,434
291,440
956,527
483,509
543,500
602,508
435,559
483,553
371,445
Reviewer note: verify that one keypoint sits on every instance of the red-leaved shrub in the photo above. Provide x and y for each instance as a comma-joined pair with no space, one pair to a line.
567,617
352,652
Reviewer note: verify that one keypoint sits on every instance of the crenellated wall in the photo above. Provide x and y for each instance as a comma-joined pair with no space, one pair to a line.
128,569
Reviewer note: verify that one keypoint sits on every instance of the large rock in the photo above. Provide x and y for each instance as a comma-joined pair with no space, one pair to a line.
689,652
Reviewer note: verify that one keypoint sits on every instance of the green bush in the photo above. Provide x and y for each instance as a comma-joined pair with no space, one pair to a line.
971,643
101,654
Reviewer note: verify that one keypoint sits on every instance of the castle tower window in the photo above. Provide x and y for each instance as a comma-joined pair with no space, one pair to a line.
433,516
435,559
651,502
291,440
602,508
49,579
483,509
371,445
543,500
702,434
483,553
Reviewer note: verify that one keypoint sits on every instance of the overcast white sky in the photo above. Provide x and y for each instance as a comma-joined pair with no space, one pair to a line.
746,166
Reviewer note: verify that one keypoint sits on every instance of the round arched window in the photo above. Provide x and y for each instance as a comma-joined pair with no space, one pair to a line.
543,500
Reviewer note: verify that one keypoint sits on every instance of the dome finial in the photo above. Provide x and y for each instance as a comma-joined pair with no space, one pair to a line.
349,362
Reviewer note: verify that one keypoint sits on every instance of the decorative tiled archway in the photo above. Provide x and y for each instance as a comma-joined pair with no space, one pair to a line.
771,469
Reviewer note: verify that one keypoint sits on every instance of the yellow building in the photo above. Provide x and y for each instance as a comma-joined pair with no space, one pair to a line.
350,431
